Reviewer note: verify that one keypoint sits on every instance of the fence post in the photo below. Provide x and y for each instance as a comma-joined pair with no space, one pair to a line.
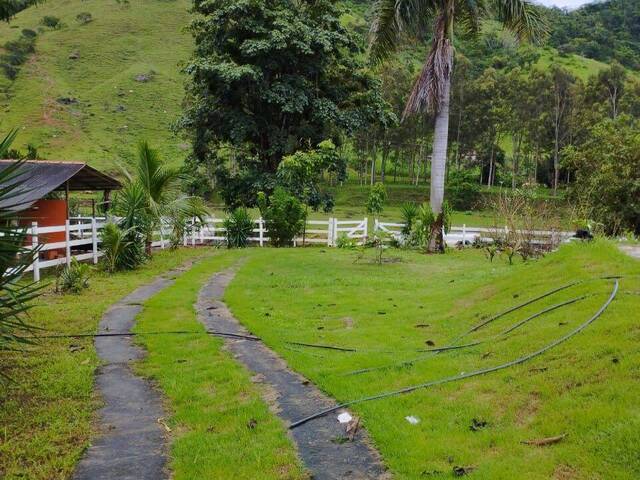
184,234
366,229
161,235
67,240
261,231
464,234
329,231
202,233
94,239
213,229
193,232
34,246
334,236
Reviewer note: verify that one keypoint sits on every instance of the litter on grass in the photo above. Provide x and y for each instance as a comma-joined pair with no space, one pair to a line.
344,417
412,420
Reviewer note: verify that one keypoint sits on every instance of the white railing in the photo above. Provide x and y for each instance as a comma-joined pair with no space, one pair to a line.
82,236
80,232
465,235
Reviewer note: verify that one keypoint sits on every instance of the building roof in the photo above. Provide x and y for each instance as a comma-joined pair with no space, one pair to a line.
38,178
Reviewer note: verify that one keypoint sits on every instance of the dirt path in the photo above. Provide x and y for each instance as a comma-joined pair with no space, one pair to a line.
631,250
132,444
323,444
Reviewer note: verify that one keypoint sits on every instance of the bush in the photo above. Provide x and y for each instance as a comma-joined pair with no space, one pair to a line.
409,212
83,18
123,249
17,52
239,226
51,22
376,199
463,190
284,215
73,278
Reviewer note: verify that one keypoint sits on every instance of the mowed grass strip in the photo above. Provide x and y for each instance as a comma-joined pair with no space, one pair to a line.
46,414
221,427
586,388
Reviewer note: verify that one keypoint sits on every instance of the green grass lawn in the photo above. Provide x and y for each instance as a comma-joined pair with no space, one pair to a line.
221,426
46,413
586,388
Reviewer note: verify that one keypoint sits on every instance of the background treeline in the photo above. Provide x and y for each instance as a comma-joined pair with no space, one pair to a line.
604,31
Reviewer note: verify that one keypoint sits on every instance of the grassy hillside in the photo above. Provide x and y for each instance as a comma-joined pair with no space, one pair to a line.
111,110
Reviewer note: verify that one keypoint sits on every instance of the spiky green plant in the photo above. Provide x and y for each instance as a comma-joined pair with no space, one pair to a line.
16,294
239,226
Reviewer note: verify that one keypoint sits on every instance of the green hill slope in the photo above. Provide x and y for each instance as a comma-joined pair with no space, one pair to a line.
95,107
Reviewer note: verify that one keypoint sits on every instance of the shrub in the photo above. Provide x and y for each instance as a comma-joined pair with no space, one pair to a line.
409,212
73,278
239,226
376,199
463,190
123,249
83,18
51,22
284,215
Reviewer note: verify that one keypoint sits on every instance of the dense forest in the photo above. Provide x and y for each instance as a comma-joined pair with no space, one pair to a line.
604,31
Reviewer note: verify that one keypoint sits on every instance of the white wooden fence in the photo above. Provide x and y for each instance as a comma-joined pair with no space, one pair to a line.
82,236
465,235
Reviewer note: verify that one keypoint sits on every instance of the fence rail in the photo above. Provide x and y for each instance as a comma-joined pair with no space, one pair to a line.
82,236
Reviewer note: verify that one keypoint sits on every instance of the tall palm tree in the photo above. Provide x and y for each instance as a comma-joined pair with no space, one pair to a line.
394,20
153,193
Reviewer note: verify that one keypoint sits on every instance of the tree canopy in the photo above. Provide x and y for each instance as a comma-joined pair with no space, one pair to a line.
283,79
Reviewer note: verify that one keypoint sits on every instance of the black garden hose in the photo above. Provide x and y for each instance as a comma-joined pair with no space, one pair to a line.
475,373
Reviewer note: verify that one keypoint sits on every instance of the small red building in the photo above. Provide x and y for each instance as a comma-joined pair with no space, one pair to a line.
35,197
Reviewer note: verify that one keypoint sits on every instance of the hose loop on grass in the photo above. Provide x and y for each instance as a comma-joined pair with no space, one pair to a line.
475,373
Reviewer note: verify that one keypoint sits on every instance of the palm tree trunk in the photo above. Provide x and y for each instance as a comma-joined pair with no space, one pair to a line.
439,165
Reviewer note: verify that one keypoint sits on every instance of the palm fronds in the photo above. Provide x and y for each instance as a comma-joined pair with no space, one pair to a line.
523,18
15,257
429,89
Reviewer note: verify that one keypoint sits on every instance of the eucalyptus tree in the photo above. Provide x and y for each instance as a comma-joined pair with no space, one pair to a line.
395,20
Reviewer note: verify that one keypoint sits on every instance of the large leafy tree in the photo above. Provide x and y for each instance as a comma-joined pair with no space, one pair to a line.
395,20
269,78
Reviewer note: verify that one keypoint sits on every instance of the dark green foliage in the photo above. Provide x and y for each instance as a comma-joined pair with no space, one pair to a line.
375,200
8,8
123,248
15,257
463,189
51,22
281,80
239,226
73,278
284,215
16,54
604,31
607,169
